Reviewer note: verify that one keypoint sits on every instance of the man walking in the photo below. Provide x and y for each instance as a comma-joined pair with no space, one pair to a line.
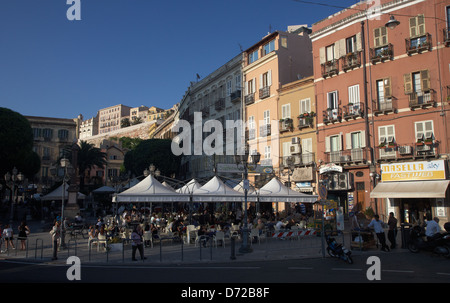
376,225
392,232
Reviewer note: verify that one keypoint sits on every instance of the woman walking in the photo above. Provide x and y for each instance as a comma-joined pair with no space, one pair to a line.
24,230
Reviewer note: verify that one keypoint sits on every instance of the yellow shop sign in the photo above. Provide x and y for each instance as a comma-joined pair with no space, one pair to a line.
410,171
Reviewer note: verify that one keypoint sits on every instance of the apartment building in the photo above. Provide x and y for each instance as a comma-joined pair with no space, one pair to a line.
88,128
109,118
297,128
382,102
50,137
217,97
277,59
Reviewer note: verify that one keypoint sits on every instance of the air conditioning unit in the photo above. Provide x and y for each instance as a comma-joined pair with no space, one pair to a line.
296,140
341,181
345,158
295,149
423,148
405,150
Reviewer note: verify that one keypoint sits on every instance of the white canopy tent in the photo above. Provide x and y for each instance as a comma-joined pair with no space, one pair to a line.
104,190
215,190
240,188
189,187
57,194
275,191
151,190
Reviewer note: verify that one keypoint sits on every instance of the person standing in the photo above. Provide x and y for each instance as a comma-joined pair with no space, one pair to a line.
8,235
392,232
24,230
136,238
55,232
376,225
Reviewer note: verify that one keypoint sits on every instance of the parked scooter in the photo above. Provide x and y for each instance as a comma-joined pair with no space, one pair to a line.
436,244
337,250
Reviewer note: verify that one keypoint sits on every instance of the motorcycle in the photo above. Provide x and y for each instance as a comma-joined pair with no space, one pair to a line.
438,243
337,250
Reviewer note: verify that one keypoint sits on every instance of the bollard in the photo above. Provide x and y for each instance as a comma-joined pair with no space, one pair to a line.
233,254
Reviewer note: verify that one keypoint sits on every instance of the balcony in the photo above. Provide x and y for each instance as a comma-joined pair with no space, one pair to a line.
353,111
395,152
250,134
384,106
249,99
220,104
421,99
350,156
418,44
446,37
351,61
264,92
306,120
235,96
381,54
302,159
332,115
330,68
264,130
286,125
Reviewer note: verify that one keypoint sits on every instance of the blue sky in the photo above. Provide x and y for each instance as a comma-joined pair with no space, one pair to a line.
131,52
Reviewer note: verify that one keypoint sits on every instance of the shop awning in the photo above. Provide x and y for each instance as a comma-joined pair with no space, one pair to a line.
416,189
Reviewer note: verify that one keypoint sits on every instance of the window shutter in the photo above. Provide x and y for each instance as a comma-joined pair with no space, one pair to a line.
408,83
322,57
253,86
383,36
425,78
348,141
260,81
342,48
341,142
387,88
412,27
420,25
376,36
363,138
358,42
269,77
327,144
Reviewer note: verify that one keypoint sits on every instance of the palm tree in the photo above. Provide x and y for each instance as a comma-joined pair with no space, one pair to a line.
88,157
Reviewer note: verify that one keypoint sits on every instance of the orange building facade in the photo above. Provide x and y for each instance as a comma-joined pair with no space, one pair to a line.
383,100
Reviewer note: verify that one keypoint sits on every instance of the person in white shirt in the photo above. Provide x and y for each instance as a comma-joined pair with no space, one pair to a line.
376,225
432,227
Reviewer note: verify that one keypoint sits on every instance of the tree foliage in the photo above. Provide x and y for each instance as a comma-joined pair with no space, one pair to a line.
152,151
16,148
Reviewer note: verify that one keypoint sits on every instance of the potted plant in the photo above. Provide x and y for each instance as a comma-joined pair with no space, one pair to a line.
382,145
419,142
115,244
429,141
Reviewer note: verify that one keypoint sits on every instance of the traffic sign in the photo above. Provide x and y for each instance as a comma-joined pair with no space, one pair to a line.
323,192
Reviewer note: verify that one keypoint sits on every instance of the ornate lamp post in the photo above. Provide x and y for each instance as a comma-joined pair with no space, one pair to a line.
243,159
13,180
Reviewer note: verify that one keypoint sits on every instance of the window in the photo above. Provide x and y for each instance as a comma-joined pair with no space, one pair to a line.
386,136
63,134
267,152
417,86
305,105
47,133
286,111
329,52
283,41
383,91
269,47
353,94
238,82
253,56
251,128
332,99
228,87
356,141
424,130
307,151
350,44
251,87
380,36
417,26
266,79
266,117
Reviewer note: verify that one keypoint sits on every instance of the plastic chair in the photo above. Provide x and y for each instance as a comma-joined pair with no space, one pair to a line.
254,232
148,237
219,236
101,240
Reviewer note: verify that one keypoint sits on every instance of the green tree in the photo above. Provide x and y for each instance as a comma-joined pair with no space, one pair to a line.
152,151
16,148
88,157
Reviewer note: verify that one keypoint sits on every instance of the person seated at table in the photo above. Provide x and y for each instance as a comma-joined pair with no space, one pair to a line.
203,235
290,224
154,231
260,226
78,219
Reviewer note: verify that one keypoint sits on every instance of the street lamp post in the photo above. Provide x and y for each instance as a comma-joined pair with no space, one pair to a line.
243,159
13,179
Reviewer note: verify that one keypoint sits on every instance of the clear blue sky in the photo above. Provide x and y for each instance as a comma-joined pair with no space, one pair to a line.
131,52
